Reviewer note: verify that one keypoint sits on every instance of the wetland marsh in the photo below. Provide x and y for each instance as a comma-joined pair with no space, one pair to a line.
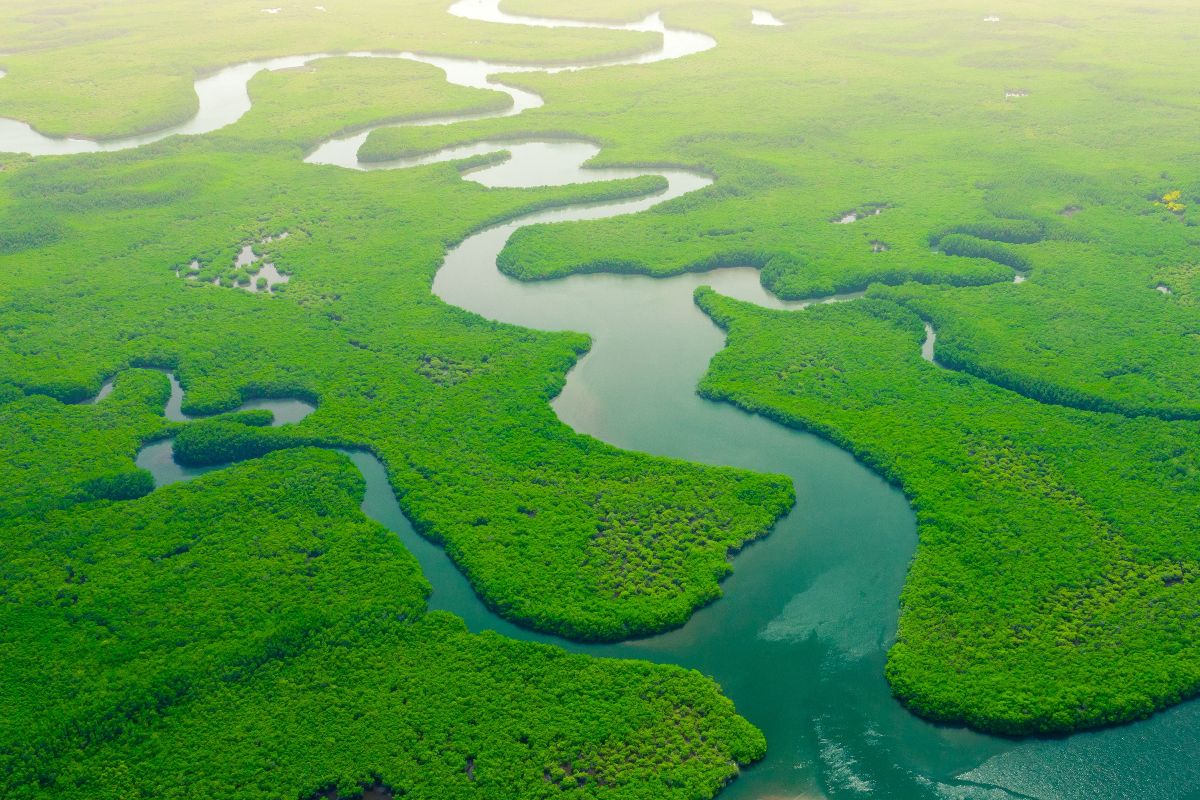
533,436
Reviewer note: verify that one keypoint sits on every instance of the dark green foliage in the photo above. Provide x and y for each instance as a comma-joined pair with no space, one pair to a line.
56,454
1012,231
1057,581
255,418
447,371
27,231
256,617
435,712
126,485
778,271
225,442
218,443
959,244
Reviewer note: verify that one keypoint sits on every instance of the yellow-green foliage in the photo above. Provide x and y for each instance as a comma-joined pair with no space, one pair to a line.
55,455
1172,201
307,104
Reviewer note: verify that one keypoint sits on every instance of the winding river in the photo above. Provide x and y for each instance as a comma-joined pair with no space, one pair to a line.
800,638
223,97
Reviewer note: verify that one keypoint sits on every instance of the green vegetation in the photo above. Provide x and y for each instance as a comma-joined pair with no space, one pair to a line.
25,234
1058,576
111,70
959,244
224,441
580,565
337,95
918,122
256,616
1182,281
1053,467
874,106
57,455
1012,231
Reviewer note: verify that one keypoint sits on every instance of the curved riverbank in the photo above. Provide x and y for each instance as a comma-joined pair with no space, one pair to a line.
223,97
798,639
343,151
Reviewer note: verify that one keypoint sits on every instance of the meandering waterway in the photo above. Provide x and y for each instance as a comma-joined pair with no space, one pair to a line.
223,97
800,638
